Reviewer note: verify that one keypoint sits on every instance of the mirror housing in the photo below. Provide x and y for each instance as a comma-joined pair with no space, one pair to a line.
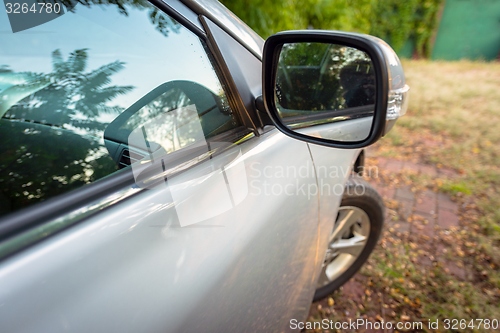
389,93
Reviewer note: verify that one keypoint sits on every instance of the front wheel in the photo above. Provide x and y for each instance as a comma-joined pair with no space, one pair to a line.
356,231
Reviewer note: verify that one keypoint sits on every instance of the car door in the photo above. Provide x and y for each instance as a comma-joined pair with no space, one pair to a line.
135,196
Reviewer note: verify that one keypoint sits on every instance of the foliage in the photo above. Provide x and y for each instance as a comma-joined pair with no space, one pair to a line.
394,21
425,24
398,21
267,17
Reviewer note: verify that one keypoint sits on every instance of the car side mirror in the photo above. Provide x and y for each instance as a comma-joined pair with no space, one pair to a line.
336,89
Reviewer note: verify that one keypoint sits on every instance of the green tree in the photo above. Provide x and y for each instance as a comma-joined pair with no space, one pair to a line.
268,17
397,22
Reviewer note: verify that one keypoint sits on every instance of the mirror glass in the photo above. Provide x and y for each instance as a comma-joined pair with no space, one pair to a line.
326,90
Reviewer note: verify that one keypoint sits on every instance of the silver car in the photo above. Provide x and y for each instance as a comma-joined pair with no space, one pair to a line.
163,169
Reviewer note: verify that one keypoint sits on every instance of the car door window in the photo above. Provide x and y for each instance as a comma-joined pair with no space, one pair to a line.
75,91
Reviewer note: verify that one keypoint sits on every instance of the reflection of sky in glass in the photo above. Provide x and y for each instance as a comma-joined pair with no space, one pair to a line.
150,58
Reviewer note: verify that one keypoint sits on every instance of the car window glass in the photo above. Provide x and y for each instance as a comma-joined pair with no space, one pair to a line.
74,90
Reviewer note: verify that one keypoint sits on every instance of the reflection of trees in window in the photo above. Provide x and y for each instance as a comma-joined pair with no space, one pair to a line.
51,139
51,123
38,162
73,96
163,23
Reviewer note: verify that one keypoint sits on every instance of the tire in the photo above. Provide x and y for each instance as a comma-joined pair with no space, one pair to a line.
356,231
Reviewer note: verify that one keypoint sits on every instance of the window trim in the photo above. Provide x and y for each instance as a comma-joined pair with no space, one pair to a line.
235,101
177,14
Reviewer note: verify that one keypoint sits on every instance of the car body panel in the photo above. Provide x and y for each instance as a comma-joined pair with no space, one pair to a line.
333,168
138,269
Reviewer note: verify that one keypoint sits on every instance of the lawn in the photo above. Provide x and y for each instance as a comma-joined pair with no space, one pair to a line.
453,123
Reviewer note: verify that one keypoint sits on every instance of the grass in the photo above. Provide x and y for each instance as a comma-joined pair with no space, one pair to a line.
453,187
458,104
453,122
